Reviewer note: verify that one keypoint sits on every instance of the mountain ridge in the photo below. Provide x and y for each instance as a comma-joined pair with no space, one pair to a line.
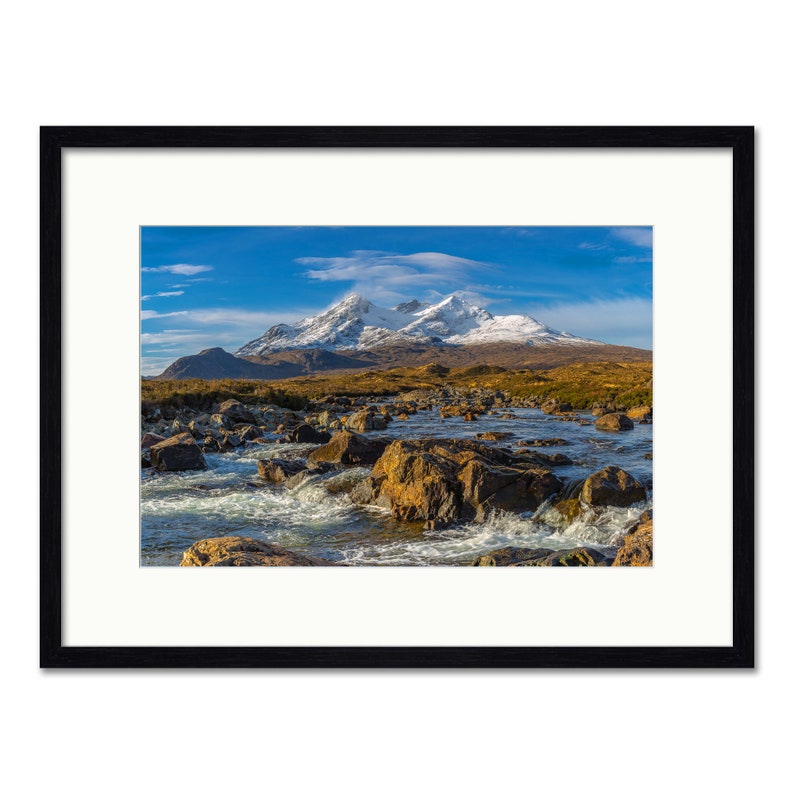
355,323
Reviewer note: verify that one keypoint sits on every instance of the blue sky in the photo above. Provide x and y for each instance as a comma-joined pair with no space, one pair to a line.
223,286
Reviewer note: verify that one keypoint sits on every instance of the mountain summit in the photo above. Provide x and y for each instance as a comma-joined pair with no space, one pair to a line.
358,324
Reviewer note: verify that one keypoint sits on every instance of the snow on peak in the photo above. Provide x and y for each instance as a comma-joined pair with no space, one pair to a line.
356,323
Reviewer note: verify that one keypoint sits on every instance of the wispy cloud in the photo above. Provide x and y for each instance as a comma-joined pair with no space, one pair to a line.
150,314
243,318
636,235
631,260
386,276
178,270
593,246
163,295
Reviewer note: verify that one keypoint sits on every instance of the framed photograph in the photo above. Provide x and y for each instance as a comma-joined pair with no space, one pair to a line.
397,397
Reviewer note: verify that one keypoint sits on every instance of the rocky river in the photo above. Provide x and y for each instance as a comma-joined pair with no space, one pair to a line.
436,478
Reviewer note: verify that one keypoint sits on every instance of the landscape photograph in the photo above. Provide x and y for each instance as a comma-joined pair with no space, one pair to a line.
396,396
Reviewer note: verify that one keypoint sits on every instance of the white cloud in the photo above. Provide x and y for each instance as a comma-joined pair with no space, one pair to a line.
631,260
636,235
150,314
163,295
242,318
180,270
593,246
384,276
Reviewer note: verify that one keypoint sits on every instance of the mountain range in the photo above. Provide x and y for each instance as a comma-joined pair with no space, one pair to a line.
358,324
355,334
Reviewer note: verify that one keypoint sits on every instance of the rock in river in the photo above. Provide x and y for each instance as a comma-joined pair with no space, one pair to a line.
306,434
637,548
512,556
237,412
234,551
278,469
442,481
348,448
178,453
614,422
612,486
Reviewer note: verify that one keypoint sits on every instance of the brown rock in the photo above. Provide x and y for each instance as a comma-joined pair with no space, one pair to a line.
555,407
641,414
178,453
637,548
306,434
512,556
612,486
236,551
237,412
348,448
444,481
277,469
493,436
614,422
360,422
150,439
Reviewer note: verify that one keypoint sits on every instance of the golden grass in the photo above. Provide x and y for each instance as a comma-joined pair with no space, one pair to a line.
581,385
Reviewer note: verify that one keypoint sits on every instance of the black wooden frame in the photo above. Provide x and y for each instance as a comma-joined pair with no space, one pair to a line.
739,139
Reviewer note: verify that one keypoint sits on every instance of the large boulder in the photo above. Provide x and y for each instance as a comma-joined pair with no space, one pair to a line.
514,557
178,453
614,422
612,487
348,448
236,551
637,548
237,412
444,481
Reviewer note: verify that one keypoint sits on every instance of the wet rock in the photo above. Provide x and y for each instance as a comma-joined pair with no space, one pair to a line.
360,422
513,556
237,551
150,439
445,480
493,436
306,434
555,407
278,469
637,548
556,459
350,449
236,412
249,433
614,422
470,416
612,486
221,421
232,440
179,453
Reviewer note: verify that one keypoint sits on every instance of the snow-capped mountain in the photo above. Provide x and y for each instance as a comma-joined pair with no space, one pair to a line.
358,324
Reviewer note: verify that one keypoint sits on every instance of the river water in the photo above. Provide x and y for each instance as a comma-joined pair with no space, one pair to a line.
318,518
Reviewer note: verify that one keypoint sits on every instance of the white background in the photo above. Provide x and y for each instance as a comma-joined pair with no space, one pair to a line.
346,63
686,195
